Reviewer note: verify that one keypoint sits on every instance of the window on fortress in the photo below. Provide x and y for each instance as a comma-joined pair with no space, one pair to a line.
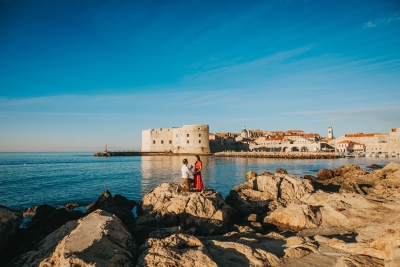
187,141
170,141
162,141
199,141
154,142
199,135
187,135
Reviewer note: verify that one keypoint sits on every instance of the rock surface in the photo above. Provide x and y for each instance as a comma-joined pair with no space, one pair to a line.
99,239
207,211
10,220
264,193
118,205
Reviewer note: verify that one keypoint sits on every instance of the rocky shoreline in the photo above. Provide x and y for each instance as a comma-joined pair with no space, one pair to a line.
342,217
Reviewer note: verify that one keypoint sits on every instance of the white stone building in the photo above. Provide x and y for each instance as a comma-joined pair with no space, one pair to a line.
191,139
372,142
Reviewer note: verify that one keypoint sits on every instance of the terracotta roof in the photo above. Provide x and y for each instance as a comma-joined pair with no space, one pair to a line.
360,135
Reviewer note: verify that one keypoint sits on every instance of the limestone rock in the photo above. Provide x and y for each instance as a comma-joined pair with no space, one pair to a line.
228,250
349,170
175,250
207,211
255,196
359,261
295,217
281,171
118,205
99,239
325,174
10,220
250,175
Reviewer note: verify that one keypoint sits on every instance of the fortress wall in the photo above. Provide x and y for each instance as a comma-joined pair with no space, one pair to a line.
158,140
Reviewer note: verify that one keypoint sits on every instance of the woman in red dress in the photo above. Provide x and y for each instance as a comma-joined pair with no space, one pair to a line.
198,182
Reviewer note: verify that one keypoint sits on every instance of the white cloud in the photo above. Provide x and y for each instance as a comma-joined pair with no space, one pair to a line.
369,24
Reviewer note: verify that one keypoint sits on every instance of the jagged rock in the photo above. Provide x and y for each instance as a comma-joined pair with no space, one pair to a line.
207,211
325,174
255,196
48,219
349,170
359,261
298,247
250,175
281,171
233,250
295,217
118,205
10,220
70,206
175,250
99,239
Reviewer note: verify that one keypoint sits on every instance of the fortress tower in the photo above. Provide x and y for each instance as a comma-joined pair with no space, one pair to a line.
192,139
330,132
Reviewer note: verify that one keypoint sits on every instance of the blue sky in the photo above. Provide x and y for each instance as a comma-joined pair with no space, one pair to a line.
75,75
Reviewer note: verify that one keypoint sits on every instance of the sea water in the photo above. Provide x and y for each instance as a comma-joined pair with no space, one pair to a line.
31,179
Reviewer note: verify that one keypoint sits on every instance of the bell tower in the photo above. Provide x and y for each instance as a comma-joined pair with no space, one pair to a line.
330,132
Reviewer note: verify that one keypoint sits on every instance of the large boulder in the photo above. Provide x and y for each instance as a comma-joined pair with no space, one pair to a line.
206,212
99,239
349,170
325,174
295,217
118,205
262,193
250,175
10,220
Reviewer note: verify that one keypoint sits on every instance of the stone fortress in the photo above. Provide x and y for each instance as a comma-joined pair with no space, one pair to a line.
196,139
190,139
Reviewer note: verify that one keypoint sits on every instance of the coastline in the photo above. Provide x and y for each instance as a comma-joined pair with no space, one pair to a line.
335,207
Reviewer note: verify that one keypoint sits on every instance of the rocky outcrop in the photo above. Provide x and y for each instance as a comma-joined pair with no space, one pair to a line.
250,175
47,219
227,250
207,212
99,239
325,174
265,193
352,179
10,220
118,205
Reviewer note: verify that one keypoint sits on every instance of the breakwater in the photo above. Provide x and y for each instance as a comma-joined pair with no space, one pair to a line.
279,155
138,153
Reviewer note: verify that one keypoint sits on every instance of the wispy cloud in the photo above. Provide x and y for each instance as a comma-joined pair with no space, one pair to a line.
381,22
391,114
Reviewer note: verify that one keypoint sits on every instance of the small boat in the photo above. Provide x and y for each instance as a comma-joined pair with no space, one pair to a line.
348,155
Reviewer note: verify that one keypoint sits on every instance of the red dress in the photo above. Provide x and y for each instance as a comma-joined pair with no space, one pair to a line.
198,182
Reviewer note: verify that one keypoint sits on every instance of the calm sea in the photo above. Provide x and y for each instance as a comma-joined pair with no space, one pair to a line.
30,179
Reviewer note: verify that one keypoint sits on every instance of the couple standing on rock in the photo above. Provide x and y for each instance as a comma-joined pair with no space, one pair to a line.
197,181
